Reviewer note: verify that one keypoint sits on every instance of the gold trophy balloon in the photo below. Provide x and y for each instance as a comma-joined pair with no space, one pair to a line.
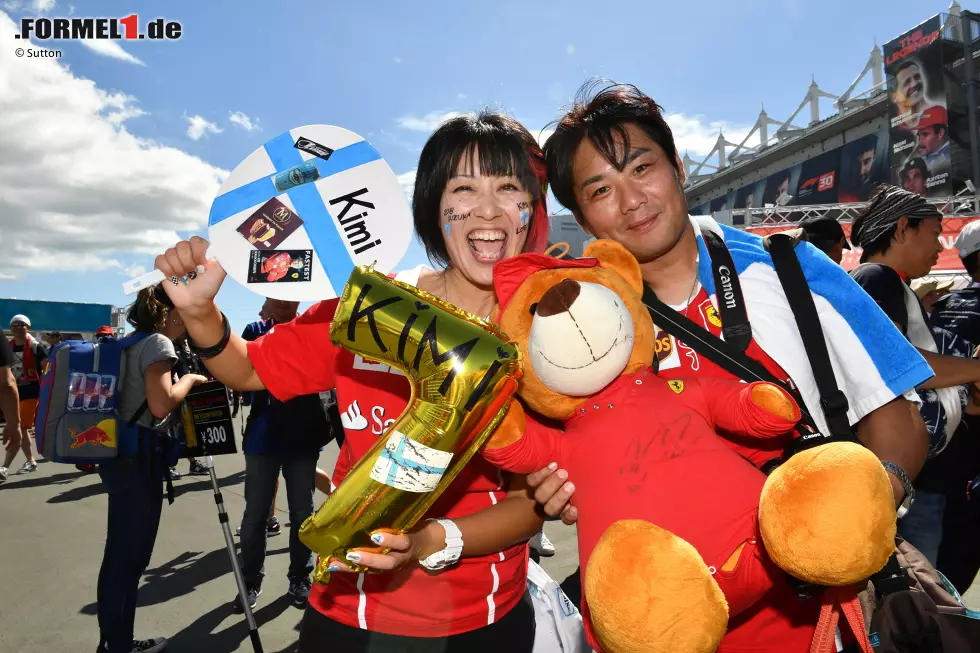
462,372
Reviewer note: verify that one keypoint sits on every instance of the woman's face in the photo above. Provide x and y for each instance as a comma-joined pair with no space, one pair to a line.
484,220
173,328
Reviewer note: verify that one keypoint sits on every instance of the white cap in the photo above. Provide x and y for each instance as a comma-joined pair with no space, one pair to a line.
968,241
21,318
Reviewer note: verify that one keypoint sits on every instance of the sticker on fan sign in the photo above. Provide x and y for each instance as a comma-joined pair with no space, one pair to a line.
411,466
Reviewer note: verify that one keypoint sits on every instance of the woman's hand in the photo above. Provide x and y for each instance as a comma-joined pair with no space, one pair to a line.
553,493
404,549
188,258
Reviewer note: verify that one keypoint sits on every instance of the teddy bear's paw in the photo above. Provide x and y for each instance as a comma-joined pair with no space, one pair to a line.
649,590
827,515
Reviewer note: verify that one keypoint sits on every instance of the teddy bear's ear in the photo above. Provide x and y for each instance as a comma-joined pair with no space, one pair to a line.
611,254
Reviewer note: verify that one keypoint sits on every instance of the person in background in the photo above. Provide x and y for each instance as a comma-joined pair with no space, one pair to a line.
959,313
930,291
457,582
613,162
29,356
826,234
104,334
266,456
54,338
9,403
134,483
899,232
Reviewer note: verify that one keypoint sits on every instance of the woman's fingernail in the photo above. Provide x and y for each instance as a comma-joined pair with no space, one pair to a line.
377,538
562,474
569,487
552,466
332,568
174,280
354,557
192,275
200,269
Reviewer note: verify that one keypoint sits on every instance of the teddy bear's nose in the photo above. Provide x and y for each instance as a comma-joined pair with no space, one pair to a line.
559,298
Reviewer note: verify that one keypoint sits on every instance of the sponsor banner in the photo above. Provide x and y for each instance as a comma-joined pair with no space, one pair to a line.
920,157
949,259
819,180
207,424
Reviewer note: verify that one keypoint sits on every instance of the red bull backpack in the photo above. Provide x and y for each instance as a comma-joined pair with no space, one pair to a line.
77,415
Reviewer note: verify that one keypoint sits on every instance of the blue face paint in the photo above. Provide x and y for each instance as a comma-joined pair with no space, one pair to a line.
446,227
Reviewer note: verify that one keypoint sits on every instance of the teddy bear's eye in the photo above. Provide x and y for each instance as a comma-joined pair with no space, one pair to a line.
534,308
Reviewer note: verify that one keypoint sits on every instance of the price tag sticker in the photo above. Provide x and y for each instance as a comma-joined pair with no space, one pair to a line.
208,427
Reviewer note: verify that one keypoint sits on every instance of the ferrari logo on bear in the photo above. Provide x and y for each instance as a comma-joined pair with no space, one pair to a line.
314,148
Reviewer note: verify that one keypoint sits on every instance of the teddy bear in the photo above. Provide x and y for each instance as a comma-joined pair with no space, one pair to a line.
677,533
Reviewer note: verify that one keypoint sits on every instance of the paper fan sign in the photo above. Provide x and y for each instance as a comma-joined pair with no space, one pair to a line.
295,217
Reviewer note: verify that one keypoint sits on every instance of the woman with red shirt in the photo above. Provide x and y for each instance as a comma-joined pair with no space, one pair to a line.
458,580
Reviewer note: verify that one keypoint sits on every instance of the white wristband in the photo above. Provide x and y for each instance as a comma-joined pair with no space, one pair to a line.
451,552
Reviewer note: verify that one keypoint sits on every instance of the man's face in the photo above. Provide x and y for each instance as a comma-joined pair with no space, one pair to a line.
281,311
19,329
914,181
836,253
921,247
642,207
867,161
930,140
910,84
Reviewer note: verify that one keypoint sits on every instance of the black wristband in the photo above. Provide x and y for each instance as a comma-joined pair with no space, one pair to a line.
212,351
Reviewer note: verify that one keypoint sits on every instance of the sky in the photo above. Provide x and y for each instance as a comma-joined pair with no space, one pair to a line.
112,152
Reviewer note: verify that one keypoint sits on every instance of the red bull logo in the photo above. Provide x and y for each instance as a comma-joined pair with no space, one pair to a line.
102,434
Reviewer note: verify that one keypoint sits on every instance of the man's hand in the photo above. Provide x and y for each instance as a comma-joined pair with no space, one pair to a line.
553,493
11,436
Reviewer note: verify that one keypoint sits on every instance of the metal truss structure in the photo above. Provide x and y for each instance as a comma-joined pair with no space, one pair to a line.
850,100
786,216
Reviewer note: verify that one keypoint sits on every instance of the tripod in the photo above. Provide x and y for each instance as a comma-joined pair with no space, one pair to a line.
253,628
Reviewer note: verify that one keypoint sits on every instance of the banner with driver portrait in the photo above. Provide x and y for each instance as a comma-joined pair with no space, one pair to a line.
920,153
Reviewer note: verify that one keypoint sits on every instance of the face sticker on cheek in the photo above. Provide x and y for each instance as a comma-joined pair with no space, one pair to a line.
525,209
447,227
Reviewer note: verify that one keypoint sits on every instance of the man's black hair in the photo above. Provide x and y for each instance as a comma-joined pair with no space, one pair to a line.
601,111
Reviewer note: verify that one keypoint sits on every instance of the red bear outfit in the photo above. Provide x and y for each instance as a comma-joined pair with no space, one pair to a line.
647,448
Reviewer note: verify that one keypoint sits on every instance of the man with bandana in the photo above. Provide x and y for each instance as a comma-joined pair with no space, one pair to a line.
899,232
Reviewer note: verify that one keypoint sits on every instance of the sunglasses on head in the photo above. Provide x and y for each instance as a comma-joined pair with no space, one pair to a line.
16,325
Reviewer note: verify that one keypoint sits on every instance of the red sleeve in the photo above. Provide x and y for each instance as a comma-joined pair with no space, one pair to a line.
297,358
539,446
731,408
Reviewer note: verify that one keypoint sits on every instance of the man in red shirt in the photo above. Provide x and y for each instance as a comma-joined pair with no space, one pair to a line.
627,185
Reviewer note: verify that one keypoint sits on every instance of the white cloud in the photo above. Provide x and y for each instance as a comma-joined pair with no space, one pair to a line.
570,49
694,135
460,96
78,191
134,271
199,126
398,60
13,5
43,5
407,180
110,49
243,121
542,136
426,123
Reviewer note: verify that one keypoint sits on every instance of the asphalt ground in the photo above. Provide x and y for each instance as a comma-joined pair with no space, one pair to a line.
52,534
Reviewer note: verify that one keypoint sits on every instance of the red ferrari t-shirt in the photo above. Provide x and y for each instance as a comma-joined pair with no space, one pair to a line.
781,616
296,359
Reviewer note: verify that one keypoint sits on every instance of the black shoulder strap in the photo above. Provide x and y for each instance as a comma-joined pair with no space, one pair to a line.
139,413
731,302
718,351
797,290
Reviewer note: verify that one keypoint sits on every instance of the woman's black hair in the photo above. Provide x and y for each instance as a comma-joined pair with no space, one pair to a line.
504,148
148,314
